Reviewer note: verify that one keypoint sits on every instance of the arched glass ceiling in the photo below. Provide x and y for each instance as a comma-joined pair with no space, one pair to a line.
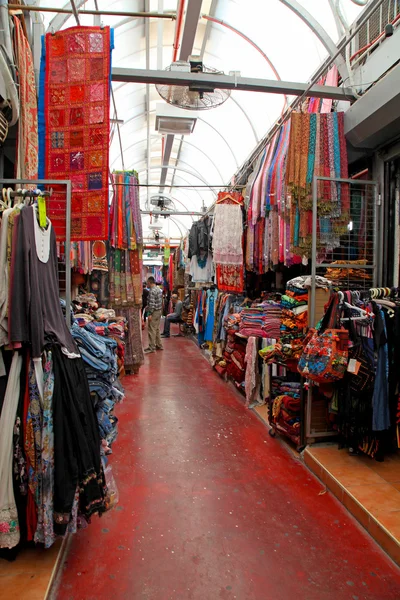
225,136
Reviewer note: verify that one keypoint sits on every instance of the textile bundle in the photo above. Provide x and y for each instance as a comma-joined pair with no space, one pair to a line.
293,323
74,127
262,320
286,407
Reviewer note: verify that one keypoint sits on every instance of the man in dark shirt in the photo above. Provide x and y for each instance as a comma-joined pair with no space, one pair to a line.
145,298
174,317
154,306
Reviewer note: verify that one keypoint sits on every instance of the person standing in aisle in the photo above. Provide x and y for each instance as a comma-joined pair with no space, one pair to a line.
154,307
174,317
145,297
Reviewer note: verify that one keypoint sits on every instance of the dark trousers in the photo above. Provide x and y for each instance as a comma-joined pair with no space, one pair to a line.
167,323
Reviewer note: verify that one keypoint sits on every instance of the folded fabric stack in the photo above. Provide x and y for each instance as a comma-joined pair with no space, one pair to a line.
286,407
262,320
356,273
99,352
116,330
232,363
294,320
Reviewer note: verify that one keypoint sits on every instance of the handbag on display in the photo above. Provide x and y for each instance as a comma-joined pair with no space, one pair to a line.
326,351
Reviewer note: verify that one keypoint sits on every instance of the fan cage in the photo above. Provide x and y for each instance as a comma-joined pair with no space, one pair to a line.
202,98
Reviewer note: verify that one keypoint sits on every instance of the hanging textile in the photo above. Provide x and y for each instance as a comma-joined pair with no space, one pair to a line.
74,126
227,243
167,252
27,147
125,262
125,219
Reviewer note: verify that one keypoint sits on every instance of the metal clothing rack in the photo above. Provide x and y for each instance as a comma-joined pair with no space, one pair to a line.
363,236
67,184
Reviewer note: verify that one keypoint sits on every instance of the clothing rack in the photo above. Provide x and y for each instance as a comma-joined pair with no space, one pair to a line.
50,182
22,193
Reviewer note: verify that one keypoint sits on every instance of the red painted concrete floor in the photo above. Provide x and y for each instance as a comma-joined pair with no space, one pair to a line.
213,508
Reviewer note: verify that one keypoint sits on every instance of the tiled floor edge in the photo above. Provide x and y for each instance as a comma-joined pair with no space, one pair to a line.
378,531
57,568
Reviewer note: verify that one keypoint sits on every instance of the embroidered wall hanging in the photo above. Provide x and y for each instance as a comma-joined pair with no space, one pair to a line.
74,127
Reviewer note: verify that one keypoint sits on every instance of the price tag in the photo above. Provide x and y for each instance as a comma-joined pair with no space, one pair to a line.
42,211
353,366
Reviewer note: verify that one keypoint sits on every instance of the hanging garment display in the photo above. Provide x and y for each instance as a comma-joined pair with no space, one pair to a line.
74,126
227,242
27,155
212,296
47,422
202,268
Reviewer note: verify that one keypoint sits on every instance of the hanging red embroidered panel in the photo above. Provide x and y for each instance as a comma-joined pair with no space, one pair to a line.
77,118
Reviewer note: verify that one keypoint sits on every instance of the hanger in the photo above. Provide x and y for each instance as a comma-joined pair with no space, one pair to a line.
228,196
3,203
363,313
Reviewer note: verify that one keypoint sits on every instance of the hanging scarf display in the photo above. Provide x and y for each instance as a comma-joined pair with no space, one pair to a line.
125,262
279,214
27,155
74,127
125,219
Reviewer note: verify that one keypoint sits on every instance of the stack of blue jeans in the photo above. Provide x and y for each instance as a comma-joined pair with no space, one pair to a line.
99,354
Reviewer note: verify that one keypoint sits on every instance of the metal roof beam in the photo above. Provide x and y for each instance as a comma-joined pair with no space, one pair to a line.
169,142
188,36
320,32
189,32
230,82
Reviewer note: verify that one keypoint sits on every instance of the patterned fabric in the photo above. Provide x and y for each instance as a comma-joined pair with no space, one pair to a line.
75,98
228,232
134,356
44,531
251,370
154,301
230,278
33,436
9,525
27,156
125,219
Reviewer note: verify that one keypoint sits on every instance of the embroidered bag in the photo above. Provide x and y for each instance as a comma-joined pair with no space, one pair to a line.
325,355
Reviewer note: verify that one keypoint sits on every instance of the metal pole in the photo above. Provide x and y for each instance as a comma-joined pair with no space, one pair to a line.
75,12
66,11
68,257
313,251
172,213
